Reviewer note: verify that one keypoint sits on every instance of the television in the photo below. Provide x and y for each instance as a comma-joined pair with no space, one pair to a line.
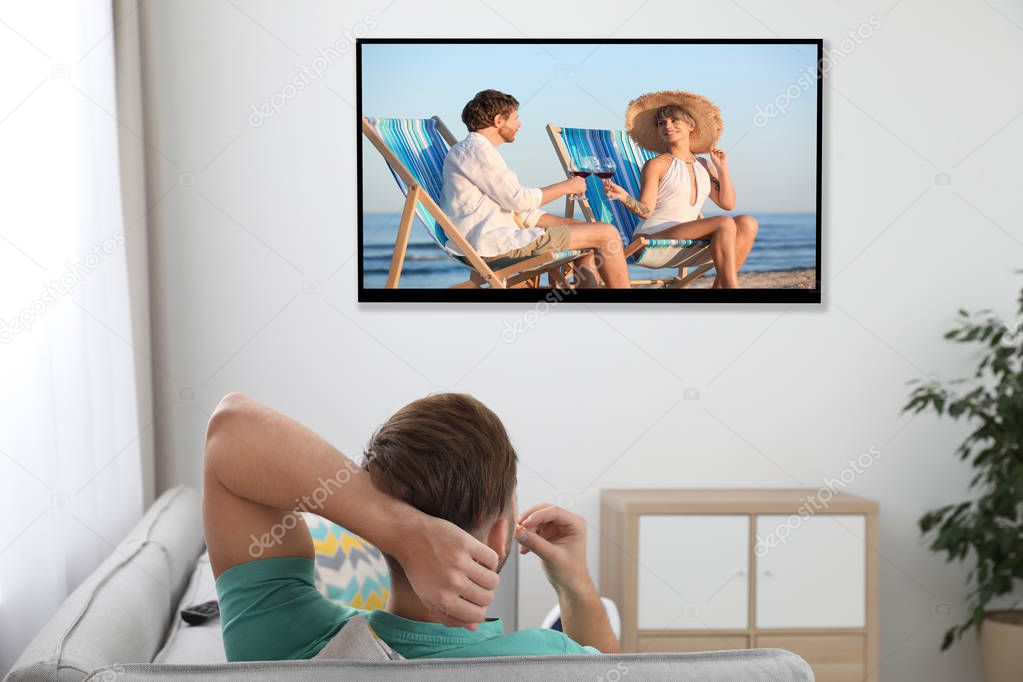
578,170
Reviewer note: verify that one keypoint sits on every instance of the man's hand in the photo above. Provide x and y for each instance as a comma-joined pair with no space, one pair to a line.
451,571
575,185
558,537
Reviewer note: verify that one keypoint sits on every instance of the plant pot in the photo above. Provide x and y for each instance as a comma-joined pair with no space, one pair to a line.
1001,646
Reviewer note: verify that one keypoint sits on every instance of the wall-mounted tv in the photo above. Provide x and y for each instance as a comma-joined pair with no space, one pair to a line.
589,170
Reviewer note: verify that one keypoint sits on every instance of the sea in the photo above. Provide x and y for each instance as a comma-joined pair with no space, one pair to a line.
786,241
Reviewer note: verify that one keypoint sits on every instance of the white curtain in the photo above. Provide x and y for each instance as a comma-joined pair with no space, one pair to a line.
70,477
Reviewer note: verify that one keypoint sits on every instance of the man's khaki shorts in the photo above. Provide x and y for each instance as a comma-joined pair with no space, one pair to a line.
555,238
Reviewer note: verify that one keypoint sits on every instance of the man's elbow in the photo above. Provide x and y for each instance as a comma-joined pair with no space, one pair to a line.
522,201
519,204
226,410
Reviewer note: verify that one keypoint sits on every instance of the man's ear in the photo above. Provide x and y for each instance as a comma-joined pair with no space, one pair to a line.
499,120
497,537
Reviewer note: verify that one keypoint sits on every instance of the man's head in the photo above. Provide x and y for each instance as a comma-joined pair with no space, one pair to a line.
492,111
449,456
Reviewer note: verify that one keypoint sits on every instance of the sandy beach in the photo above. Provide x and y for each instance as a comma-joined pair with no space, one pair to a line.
799,278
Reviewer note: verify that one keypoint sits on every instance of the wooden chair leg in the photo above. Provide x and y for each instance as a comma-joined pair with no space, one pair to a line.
696,274
401,242
570,274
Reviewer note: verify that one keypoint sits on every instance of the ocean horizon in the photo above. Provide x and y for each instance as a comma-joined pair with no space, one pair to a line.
786,241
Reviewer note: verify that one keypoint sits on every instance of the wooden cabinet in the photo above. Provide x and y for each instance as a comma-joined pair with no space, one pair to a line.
702,570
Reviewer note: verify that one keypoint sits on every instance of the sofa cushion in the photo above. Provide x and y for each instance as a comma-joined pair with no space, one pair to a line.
121,612
349,570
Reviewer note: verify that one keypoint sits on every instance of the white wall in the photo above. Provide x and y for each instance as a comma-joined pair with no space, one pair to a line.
787,395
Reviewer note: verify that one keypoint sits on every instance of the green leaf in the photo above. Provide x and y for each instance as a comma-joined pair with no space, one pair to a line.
949,638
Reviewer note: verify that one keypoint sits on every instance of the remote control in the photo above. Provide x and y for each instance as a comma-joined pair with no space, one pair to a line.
200,613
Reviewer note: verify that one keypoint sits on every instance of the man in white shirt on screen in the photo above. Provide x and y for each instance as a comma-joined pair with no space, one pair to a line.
483,196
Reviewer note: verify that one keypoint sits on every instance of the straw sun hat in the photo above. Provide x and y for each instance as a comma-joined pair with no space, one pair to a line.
641,123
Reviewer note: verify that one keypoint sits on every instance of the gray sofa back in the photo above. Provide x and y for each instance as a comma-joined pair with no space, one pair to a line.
713,666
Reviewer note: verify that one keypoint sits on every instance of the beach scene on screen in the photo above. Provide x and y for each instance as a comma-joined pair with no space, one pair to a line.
767,94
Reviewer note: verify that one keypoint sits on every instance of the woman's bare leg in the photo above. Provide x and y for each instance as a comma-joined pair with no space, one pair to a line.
721,230
609,258
746,228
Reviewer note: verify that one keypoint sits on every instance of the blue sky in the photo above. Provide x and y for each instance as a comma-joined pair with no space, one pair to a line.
772,159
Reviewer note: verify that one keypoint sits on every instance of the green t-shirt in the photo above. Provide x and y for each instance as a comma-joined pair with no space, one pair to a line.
270,609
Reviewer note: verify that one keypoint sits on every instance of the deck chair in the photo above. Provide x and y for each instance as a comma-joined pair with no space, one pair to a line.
414,150
571,144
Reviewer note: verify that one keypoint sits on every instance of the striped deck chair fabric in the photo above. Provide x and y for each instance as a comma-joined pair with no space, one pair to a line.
629,159
419,144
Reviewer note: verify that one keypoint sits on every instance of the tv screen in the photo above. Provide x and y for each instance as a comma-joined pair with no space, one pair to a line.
589,170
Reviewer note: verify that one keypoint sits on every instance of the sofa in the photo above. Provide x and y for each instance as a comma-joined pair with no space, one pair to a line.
122,623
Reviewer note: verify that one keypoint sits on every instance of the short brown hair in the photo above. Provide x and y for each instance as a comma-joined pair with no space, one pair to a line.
447,455
672,111
479,113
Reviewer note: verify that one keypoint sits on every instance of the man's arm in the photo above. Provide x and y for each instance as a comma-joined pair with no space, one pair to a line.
262,468
573,185
502,185
558,537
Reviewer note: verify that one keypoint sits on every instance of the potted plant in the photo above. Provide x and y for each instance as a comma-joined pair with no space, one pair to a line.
988,529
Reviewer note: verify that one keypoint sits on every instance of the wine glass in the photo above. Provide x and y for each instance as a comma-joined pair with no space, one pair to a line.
606,168
589,164
582,168
576,169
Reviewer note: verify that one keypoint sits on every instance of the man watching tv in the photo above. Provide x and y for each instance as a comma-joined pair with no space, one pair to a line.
435,493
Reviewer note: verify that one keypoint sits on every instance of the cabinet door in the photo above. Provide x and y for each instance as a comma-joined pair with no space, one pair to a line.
692,572
811,572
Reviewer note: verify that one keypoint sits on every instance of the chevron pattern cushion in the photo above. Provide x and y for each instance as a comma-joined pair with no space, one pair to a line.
349,570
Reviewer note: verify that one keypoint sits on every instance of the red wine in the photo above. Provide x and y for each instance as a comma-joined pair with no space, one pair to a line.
581,174
605,175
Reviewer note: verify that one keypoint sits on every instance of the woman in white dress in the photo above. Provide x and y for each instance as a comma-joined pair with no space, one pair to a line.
674,185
